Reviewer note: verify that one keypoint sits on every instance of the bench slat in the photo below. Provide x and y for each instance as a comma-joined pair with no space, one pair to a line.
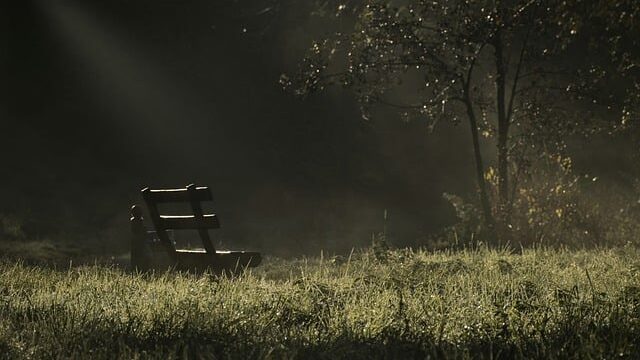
185,222
201,193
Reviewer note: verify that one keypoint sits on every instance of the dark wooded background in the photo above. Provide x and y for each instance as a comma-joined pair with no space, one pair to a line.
102,98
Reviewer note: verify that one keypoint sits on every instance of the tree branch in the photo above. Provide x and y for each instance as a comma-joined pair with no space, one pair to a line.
517,75
395,105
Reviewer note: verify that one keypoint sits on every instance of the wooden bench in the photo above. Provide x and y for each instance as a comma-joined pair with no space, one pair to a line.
207,259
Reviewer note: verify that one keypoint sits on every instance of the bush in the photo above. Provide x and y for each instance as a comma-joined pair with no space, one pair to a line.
550,205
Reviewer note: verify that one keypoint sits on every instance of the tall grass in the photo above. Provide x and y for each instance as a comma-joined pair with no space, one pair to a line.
412,304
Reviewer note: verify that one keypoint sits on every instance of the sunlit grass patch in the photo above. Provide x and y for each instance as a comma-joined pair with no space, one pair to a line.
470,304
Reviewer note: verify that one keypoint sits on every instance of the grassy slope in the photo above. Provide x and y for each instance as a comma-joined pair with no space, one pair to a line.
543,304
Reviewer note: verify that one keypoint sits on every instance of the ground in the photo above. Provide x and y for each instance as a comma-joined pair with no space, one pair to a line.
541,303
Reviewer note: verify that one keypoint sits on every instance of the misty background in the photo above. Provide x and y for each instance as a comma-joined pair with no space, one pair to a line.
100,99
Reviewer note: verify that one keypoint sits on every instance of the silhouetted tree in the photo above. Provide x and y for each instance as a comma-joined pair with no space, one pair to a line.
497,65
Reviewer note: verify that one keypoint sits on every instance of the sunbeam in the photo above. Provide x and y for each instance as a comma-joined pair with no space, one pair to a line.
124,78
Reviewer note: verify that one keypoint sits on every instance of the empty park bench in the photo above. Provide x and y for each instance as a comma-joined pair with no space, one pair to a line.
208,259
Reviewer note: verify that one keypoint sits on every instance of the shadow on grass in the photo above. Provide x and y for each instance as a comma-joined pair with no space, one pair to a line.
572,339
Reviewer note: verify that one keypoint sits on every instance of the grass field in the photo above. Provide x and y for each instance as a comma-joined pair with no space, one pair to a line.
470,304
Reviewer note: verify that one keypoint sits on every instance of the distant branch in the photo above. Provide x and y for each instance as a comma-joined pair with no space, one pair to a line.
543,73
517,75
398,106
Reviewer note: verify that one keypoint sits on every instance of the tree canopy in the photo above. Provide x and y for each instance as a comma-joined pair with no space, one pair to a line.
526,73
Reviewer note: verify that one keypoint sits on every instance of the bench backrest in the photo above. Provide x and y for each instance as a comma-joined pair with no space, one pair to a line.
198,220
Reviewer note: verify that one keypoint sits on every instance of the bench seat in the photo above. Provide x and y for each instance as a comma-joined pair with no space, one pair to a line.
199,260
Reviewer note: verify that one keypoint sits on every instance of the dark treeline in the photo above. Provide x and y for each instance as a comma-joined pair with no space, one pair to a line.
102,98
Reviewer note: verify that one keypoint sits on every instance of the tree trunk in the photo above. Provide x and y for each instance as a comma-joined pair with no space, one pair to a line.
503,132
503,125
484,198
